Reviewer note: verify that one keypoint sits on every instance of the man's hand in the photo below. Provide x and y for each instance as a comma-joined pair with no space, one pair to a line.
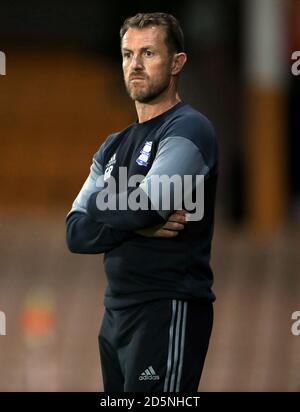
171,228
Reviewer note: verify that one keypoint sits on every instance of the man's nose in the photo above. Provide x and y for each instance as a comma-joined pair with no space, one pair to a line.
137,63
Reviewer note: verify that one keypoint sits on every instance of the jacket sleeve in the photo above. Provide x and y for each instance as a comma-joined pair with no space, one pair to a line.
176,155
83,233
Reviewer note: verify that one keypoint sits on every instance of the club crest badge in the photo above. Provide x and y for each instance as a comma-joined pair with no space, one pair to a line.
145,153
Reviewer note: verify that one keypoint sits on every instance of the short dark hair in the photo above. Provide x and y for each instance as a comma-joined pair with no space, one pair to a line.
174,35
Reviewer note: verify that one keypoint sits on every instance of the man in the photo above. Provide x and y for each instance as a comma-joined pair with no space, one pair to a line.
158,304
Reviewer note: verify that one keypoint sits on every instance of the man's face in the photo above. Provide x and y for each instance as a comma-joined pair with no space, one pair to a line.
146,63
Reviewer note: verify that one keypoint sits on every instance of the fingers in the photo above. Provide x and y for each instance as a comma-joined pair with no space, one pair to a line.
181,211
178,217
165,233
173,226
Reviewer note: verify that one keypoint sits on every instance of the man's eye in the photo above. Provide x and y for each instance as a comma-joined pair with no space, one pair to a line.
126,55
149,53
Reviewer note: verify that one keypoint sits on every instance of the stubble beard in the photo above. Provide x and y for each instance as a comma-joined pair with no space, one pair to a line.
148,93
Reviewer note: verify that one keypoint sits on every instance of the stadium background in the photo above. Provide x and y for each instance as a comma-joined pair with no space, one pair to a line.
61,96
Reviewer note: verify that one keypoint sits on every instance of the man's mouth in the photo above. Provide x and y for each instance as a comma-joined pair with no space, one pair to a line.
136,76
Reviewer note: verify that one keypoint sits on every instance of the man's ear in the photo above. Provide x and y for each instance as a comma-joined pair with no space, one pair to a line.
179,60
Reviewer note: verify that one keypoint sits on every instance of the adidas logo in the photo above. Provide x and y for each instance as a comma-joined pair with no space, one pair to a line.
112,160
148,374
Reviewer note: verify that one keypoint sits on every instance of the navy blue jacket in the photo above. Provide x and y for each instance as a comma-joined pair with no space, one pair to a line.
182,142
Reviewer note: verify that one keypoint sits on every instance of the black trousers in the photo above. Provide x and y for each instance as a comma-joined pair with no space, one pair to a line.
158,346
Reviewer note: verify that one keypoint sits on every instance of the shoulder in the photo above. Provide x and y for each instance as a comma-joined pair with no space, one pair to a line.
188,123
108,143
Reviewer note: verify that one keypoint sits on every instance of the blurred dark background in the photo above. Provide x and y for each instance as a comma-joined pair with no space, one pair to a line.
61,96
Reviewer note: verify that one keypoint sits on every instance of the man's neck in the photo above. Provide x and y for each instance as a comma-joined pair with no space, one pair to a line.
147,111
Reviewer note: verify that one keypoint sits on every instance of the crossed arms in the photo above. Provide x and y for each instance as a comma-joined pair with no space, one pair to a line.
90,230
